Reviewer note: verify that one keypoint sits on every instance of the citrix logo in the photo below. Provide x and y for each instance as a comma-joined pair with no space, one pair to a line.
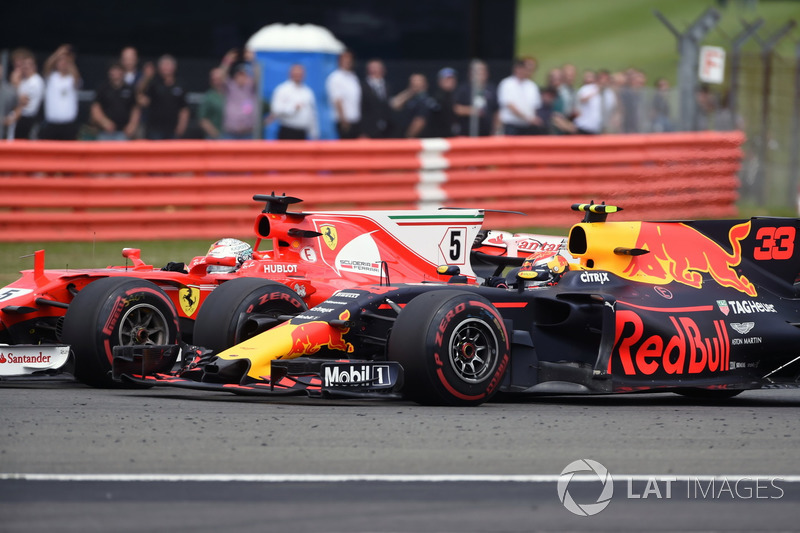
594,277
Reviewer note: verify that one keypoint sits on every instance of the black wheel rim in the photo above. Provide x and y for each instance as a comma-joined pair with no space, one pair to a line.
143,324
473,350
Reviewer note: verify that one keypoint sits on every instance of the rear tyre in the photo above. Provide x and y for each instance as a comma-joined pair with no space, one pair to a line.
453,346
227,316
115,311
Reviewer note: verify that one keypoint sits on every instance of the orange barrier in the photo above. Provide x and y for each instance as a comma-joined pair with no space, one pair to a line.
74,191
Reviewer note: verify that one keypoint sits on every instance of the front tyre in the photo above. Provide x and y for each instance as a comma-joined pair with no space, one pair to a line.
226,317
115,311
453,346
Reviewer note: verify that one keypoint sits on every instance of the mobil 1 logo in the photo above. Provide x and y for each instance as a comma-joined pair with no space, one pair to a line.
356,376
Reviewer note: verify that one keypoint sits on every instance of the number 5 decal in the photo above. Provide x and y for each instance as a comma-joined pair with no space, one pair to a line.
453,247
456,244
774,243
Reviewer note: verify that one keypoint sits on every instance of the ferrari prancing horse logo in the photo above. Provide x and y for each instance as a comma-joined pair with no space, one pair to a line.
189,298
329,235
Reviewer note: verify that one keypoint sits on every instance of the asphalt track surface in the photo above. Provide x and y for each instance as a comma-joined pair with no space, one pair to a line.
74,458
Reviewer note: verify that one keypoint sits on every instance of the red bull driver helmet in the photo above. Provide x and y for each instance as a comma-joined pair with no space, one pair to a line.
229,247
548,270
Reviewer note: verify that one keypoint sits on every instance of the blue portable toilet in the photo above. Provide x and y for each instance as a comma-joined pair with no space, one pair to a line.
279,46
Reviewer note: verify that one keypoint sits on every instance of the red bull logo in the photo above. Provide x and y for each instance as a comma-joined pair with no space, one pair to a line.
681,253
688,350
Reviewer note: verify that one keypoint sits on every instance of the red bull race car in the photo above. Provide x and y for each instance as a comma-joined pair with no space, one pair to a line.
49,315
705,308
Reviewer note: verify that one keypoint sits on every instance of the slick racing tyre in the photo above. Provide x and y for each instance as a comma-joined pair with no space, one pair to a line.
453,346
112,312
241,308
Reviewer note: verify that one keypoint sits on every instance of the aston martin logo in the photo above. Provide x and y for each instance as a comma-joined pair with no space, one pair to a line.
189,298
743,327
329,235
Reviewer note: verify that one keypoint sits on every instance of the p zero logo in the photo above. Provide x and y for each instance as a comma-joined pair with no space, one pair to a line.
683,348
113,316
774,243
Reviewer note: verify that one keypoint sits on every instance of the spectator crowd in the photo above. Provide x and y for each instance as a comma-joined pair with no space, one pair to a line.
149,101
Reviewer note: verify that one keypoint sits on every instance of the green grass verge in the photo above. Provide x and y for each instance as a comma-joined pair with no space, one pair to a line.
617,34
93,255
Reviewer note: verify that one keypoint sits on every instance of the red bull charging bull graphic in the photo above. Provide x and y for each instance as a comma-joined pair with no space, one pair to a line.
310,337
288,341
680,253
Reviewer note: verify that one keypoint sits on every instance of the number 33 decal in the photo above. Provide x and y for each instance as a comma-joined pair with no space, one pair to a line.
774,243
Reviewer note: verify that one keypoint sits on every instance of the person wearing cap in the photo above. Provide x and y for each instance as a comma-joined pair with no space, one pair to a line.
441,118
344,93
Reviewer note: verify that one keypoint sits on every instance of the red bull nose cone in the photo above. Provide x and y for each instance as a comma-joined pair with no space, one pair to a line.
288,341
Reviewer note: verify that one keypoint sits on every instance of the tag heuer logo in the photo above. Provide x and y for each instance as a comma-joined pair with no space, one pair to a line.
742,327
723,306
189,298
329,235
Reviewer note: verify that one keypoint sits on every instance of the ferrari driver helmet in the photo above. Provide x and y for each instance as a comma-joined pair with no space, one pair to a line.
544,270
229,247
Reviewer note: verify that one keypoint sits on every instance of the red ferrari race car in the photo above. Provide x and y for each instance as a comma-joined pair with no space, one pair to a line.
235,291
703,308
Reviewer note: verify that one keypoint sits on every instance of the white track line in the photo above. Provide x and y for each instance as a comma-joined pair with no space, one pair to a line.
393,478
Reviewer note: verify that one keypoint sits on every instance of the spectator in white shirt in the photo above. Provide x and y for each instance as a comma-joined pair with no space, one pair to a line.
61,96
344,93
593,104
519,98
294,107
30,92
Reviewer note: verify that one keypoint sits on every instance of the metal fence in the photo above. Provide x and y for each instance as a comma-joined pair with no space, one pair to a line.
769,107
